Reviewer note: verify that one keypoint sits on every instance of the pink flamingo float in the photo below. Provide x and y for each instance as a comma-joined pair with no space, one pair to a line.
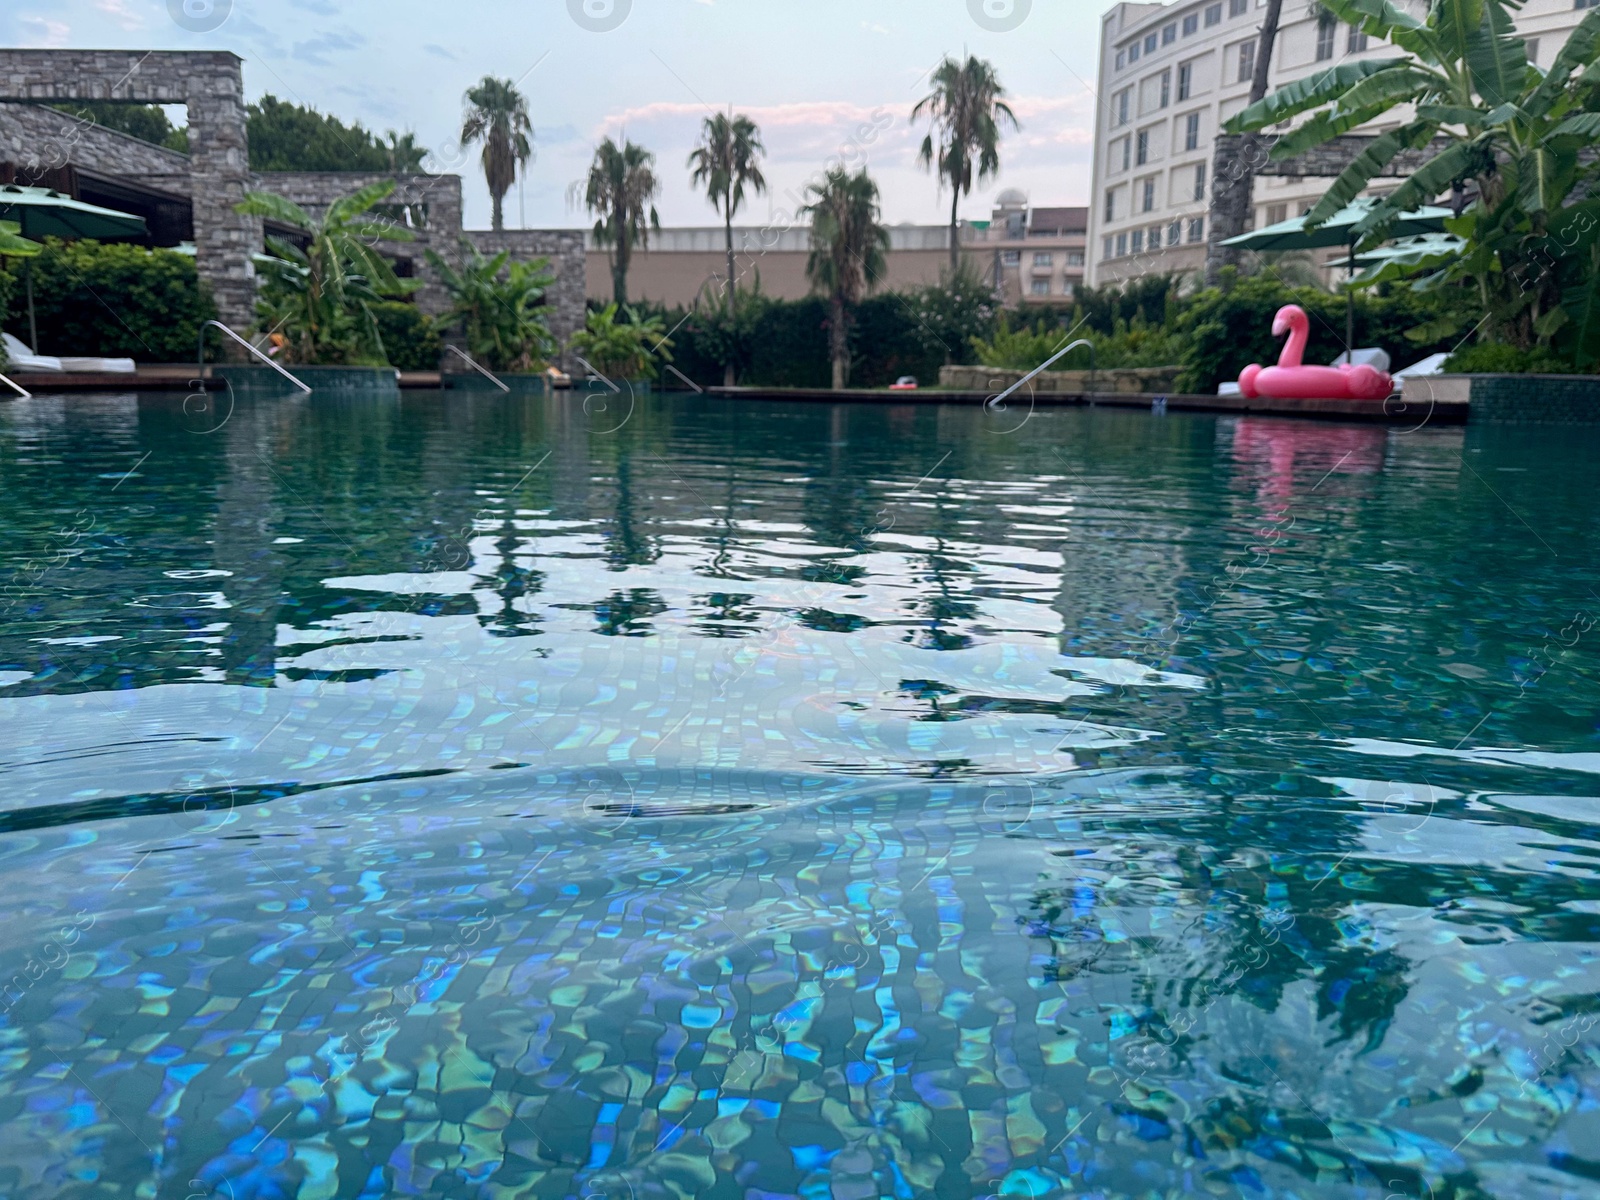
1290,380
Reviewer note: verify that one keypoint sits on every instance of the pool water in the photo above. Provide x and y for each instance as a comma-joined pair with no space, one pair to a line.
643,796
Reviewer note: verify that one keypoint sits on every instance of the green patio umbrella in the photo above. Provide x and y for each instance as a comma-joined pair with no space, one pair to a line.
45,212
1339,230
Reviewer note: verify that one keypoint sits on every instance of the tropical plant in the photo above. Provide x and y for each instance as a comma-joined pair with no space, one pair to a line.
410,336
500,306
622,349
849,253
317,298
405,156
618,191
498,117
966,110
724,161
726,334
13,244
1493,127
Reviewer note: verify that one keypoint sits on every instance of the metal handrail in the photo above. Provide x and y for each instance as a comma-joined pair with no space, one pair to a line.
1057,355
593,370
473,363
17,388
200,356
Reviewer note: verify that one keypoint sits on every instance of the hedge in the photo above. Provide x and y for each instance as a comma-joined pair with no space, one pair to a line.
410,338
112,300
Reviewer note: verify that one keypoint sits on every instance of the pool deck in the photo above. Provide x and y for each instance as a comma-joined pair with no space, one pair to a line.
1394,411
1391,411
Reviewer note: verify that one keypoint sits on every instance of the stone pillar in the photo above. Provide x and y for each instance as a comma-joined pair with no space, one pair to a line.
219,154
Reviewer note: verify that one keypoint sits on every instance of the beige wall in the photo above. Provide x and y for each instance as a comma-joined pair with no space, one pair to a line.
676,277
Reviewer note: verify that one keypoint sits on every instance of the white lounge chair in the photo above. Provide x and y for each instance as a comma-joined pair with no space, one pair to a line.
24,359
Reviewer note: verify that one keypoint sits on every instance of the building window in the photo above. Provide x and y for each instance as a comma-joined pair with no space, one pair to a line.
1586,3
1138,241
1143,156
1122,59
1043,258
1237,8
1127,147
1107,250
1305,207
1111,206
1069,287
1191,132
1074,258
1191,24
1197,229
1276,213
1533,50
1356,42
1174,233
1150,43
1185,80
1039,287
1133,53
1199,181
1166,88
1213,15
1122,105
1325,24
1122,244
1169,34
1247,60
1011,258
1155,237
1149,197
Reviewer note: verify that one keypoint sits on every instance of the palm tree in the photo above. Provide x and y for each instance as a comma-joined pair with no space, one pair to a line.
725,160
966,110
1234,197
498,116
618,192
849,249
1465,97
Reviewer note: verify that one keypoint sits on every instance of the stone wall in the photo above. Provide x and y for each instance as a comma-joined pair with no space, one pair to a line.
211,84
37,139
437,196
1110,379
564,249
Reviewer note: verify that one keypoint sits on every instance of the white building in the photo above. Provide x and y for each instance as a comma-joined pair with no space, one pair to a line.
1170,74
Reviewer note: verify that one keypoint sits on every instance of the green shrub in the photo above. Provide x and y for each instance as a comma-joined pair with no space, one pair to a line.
115,300
1226,328
1502,358
410,338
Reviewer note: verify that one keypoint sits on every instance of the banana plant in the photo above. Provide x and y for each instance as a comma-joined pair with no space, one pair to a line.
501,307
316,298
1495,127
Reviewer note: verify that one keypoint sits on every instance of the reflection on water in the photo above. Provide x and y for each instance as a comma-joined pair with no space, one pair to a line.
465,796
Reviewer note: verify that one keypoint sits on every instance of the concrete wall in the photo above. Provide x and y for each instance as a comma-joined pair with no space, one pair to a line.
675,277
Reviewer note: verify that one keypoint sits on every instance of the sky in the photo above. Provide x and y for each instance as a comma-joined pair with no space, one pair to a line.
825,79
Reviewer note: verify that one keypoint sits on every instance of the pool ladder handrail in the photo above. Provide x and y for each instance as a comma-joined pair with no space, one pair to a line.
16,387
1061,353
200,355
473,363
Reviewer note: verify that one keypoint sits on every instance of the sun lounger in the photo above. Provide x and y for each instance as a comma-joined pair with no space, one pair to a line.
24,359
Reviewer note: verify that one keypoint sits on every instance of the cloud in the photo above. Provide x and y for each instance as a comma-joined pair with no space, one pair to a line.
438,51
315,50
44,34
870,27
121,13
321,7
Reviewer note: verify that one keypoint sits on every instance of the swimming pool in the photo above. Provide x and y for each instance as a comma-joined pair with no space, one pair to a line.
659,796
